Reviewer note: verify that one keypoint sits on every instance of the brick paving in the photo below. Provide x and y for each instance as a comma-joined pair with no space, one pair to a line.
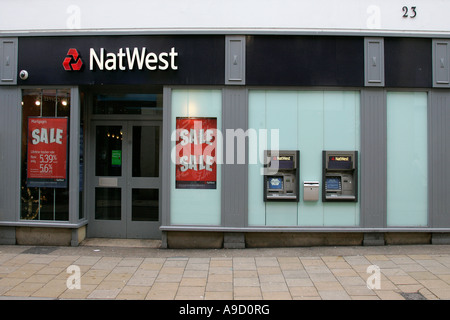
147,273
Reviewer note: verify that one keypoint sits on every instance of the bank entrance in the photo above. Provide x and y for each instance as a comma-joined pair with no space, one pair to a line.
124,179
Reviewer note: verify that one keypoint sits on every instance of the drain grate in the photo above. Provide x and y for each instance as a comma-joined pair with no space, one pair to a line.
413,296
40,250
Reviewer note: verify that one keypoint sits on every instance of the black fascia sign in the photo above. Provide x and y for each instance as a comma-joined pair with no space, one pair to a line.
122,60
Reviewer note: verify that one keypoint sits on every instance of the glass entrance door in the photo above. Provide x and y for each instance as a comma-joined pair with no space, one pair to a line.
124,192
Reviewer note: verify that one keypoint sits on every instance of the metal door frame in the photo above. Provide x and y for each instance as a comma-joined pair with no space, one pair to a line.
123,228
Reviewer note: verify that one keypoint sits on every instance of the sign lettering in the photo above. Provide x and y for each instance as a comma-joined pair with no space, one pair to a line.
129,59
334,158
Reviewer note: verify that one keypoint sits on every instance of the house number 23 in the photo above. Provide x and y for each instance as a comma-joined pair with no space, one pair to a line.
413,13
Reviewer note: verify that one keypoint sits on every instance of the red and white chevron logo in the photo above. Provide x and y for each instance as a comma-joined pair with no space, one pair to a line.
73,61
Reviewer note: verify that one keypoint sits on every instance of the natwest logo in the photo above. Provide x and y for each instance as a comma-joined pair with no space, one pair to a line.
122,60
73,61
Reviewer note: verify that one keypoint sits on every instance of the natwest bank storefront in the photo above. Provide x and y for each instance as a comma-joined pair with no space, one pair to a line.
216,140
93,137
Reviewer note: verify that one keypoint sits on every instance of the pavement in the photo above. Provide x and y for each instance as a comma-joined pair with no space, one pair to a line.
140,270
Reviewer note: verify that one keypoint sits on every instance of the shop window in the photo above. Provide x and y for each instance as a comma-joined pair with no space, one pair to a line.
195,185
44,155
130,104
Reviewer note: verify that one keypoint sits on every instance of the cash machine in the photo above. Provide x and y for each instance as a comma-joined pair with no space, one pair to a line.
340,176
281,175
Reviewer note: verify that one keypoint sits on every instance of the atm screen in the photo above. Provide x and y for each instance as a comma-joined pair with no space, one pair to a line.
333,183
275,183
286,164
282,163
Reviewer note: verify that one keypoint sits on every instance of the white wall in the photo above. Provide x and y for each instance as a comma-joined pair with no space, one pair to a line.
231,16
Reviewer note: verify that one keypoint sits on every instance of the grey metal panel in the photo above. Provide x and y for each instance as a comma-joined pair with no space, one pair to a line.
374,62
235,60
10,148
234,169
74,154
166,158
8,61
439,169
373,167
244,32
304,229
441,60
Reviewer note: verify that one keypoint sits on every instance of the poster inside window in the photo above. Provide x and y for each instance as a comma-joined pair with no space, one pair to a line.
196,166
47,152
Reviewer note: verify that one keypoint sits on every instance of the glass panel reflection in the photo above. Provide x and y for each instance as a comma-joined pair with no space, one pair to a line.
145,205
145,151
108,151
108,203
145,104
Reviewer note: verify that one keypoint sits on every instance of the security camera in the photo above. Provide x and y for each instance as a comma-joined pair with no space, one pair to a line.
23,75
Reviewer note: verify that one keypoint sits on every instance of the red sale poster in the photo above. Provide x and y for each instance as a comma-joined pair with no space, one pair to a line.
196,153
47,152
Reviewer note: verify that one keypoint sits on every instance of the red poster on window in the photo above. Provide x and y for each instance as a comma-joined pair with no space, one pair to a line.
47,152
196,153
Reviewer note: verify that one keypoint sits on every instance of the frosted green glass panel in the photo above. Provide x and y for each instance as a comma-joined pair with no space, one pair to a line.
407,166
310,137
341,120
342,214
281,213
309,121
281,114
341,132
196,206
257,122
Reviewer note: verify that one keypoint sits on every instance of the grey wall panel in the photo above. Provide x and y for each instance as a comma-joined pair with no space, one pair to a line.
234,169
373,158
441,61
10,142
235,60
374,62
439,170
8,61
166,149
74,154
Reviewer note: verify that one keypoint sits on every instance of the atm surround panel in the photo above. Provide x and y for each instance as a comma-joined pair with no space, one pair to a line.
281,175
340,176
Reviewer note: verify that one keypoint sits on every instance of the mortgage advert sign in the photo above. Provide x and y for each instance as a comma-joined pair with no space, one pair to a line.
47,152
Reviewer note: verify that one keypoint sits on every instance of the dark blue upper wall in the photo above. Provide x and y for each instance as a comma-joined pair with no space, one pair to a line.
270,61
305,61
200,60
334,61
408,62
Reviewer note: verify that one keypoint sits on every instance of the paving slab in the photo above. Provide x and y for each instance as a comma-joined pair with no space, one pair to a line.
140,270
